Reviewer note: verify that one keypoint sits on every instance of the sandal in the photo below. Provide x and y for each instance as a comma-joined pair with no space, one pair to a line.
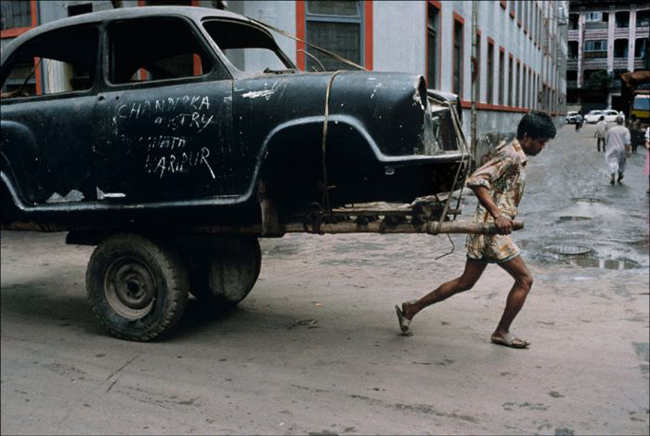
510,341
403,322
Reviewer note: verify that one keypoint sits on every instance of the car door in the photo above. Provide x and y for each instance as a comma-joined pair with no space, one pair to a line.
611,115
47,103
165,117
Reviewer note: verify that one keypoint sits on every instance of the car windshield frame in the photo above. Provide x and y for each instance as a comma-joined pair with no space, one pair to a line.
272,45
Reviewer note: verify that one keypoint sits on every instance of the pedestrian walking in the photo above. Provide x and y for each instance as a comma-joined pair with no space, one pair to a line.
618,149
499,186
601,132
578,121
646,167
636,133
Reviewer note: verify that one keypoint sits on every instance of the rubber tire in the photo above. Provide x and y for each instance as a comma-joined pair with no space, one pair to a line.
224,270
166,267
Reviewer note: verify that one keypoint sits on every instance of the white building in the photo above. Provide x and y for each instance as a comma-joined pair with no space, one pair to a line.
605,39
519,63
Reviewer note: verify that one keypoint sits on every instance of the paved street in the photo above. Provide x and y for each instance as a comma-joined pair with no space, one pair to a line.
315,348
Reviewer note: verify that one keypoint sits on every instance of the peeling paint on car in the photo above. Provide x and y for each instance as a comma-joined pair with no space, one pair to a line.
416,97
72,196
101,195
256,94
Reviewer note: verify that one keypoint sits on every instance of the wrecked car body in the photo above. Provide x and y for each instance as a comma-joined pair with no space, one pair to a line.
169,122
129,135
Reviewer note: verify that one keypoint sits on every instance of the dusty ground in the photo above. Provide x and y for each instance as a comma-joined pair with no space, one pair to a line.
315,347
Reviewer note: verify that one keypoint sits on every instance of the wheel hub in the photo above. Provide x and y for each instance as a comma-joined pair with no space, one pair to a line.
130,288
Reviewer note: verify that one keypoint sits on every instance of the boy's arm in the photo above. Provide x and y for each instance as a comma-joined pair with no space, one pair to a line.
502,222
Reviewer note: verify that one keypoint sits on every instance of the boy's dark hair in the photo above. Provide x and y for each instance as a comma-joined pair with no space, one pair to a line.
537,124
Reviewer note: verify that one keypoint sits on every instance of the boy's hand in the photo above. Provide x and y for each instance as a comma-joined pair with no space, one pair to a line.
503,225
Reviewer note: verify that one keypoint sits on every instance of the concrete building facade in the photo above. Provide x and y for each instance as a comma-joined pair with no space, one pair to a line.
517,64
605,39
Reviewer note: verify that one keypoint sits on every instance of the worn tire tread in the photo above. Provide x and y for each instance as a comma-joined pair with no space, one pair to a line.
170,260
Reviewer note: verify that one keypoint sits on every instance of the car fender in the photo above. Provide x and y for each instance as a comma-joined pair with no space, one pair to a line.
336,122
303,137
18,155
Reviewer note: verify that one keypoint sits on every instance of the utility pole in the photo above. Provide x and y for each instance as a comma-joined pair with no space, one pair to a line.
475,77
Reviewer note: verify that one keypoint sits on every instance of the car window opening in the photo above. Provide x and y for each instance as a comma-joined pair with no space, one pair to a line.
65,59
155,49
248,48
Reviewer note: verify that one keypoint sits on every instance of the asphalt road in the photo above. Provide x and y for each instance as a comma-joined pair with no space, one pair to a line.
315,348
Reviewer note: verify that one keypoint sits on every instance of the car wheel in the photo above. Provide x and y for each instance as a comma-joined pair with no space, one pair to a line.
137,287
224,270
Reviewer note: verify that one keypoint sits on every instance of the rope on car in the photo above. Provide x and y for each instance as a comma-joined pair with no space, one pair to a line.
320,49
462,167
460,137
326,195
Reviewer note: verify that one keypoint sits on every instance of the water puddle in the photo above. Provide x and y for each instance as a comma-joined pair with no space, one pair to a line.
587,200
614,264
578,255
575,218
568,250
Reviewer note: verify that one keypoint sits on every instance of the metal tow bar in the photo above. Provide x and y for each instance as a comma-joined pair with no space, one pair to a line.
431,227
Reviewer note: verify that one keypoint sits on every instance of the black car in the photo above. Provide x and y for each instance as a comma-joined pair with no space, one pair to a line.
148,121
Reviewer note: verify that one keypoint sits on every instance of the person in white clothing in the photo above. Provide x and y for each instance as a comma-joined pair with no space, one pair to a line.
619,147
646,167
601,132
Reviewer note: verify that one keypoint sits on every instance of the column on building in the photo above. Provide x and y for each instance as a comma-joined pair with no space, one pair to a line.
581,44
611,29
631,39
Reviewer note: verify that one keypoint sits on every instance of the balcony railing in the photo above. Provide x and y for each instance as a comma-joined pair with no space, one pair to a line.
620,63
621,33
595,64
596,33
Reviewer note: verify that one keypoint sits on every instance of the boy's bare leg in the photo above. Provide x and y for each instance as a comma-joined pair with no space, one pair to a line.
523,282
473,271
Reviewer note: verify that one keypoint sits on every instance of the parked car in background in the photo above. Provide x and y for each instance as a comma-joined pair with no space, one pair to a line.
611,115
593,116
571,117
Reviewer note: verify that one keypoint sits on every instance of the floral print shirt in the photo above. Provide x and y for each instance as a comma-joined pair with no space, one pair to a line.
504,177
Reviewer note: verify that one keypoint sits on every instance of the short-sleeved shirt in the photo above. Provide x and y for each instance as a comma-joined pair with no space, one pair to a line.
504,177
601,129
618,137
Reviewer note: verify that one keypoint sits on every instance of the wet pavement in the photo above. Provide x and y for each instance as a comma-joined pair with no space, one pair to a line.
315,348
570,202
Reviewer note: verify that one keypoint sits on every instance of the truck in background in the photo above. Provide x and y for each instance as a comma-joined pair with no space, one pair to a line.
636,93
